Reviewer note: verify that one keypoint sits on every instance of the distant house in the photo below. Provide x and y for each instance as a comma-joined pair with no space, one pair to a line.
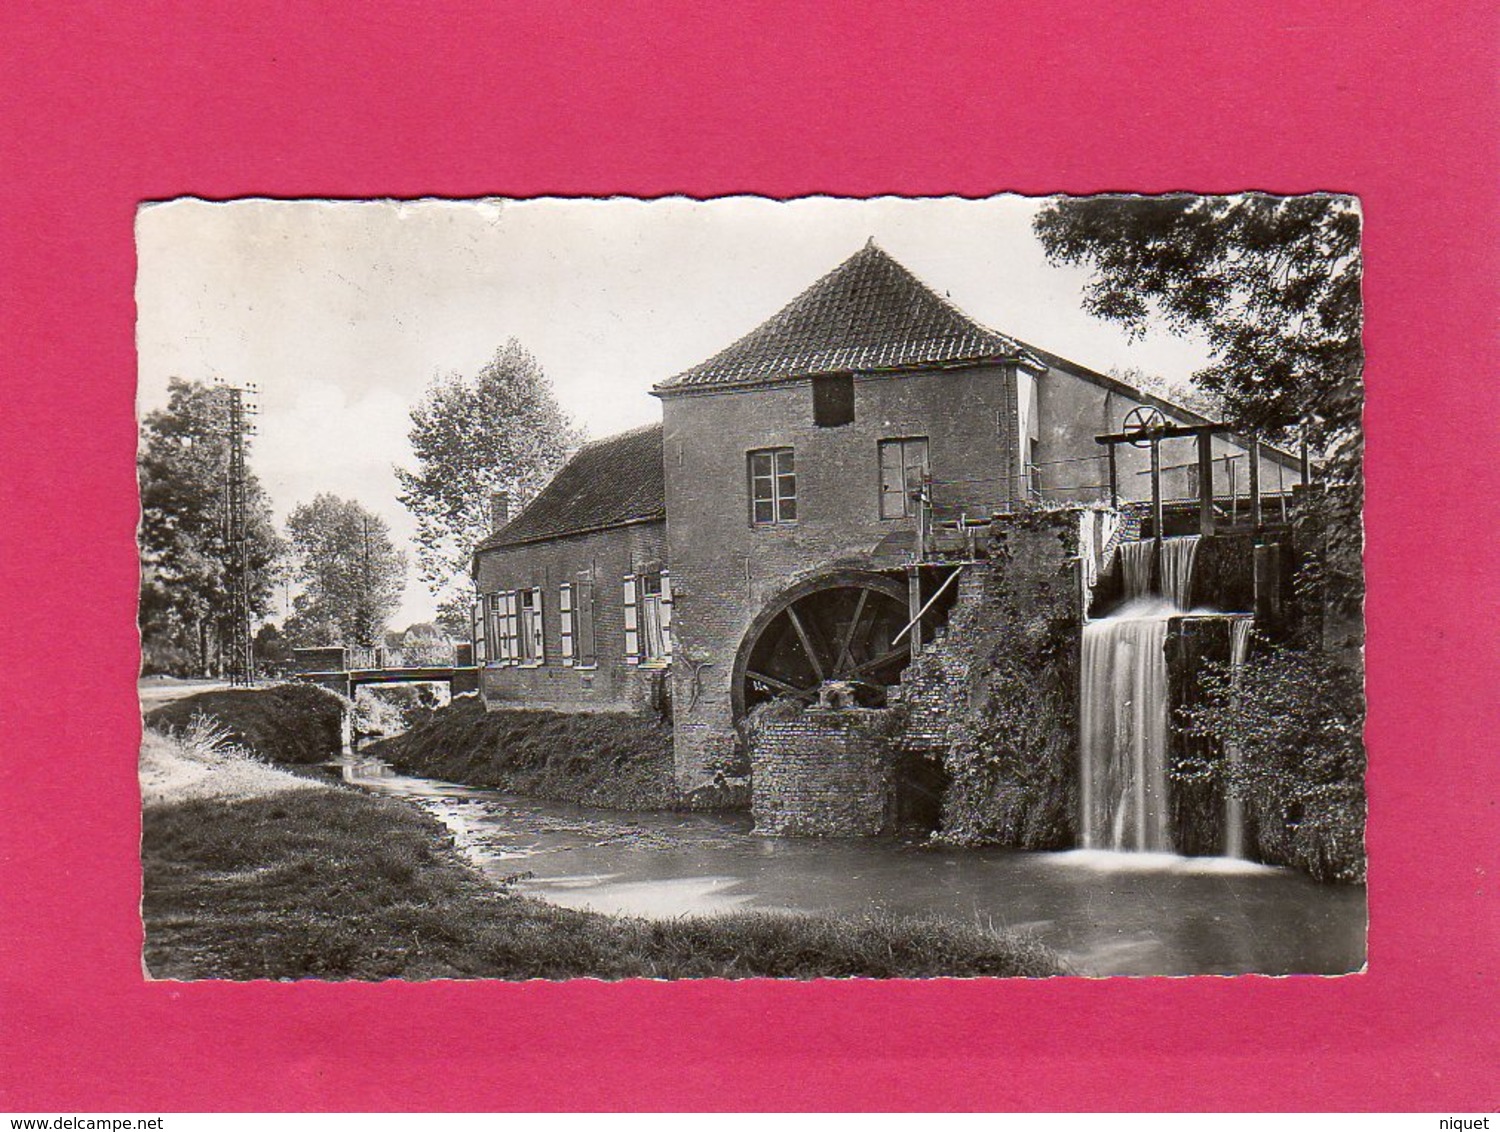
761,540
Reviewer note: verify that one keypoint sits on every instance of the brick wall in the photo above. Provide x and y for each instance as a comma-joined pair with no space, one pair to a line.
823,773
726,571
612,684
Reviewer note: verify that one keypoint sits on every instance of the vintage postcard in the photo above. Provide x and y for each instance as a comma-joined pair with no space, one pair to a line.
744,588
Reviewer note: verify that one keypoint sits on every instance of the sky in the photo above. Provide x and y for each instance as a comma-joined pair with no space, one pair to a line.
342,313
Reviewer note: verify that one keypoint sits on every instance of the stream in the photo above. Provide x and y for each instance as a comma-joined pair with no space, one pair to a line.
1105,913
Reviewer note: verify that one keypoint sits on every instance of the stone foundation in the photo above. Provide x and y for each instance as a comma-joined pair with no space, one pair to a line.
823,773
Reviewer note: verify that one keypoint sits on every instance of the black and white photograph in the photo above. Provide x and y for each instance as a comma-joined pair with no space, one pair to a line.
735,588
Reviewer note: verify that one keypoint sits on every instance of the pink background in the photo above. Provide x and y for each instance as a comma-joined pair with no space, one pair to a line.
109,104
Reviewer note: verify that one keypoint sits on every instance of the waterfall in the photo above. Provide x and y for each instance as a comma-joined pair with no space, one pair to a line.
1177,558
1234,809
1124,732
1123,711
1135,567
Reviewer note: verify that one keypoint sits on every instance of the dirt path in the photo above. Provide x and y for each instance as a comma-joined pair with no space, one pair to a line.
157,690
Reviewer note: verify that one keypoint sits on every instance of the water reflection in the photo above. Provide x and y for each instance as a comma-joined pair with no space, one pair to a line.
1106,913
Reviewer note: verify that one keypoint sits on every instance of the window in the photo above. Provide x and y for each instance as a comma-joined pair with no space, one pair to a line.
648,618
833,400
500,637
513,627
583,620
773,487
903,467
531,641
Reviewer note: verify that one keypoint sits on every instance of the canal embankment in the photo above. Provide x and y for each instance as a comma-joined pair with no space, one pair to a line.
603,759
252,871
299,724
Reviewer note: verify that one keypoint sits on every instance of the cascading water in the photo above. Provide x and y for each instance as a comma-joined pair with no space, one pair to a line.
1234,809
1123,715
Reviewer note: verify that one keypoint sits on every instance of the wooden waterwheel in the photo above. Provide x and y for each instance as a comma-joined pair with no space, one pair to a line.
841,627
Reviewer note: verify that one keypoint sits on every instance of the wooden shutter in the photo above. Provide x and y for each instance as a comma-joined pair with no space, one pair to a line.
494,627
538,629
509,631
588,653
632,629
666,614
565,621
476,621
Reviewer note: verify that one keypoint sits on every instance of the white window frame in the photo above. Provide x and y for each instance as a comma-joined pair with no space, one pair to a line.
783,467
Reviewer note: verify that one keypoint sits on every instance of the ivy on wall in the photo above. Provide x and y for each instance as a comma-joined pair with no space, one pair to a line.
1013,741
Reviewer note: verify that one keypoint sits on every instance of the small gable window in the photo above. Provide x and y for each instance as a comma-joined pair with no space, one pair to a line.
833,400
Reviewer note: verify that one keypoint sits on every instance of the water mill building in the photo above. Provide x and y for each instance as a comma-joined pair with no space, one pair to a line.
852,526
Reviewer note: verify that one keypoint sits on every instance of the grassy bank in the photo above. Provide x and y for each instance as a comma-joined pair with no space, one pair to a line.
287,723
599,759
251,872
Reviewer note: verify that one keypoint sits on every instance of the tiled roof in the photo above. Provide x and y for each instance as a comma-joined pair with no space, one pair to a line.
607,483
868,313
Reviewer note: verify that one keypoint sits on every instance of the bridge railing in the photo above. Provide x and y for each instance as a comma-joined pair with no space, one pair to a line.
435,655
455,654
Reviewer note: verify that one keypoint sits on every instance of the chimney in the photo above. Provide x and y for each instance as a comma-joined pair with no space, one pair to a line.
499,508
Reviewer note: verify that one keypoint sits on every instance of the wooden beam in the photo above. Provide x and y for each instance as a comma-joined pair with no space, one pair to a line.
807,644
782,685
915,624
859,612
1255,483
880,661
1156,507
1205,484
1168,433
1114,478
914,603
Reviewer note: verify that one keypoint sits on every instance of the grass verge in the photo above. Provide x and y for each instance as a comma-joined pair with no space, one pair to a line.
334,884
604,759
286,723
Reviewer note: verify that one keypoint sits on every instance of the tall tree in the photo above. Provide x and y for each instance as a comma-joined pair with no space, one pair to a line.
351,574
1271,283
183,463
502,430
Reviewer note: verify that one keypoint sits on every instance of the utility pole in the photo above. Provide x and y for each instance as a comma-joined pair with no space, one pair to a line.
238,429
366,607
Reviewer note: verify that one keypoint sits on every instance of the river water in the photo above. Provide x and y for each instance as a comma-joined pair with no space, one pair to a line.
1106,913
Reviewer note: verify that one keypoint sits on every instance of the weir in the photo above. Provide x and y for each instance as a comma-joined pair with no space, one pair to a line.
1124,705
1234,809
